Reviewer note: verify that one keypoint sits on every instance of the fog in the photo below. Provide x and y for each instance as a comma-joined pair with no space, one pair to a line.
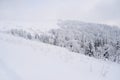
47,11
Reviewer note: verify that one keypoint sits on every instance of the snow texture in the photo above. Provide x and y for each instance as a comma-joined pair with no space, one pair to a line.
22,59
95,40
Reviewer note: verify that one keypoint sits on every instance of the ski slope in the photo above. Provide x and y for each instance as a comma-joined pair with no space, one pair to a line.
22,59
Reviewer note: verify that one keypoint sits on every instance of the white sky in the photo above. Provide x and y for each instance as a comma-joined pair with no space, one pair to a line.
100,11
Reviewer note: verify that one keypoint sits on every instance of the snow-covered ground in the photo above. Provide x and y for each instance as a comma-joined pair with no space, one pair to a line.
22,59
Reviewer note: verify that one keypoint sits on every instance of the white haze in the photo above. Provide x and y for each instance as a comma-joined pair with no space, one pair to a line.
43,12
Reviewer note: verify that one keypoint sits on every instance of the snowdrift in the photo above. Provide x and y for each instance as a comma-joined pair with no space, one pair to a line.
22,59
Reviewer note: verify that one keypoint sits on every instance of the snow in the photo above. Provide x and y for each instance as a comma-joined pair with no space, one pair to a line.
29,26
22,59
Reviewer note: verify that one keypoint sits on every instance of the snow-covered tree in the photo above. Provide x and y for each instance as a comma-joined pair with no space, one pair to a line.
96,40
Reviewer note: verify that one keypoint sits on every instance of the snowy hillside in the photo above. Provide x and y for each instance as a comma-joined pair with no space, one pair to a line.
22,59
100,41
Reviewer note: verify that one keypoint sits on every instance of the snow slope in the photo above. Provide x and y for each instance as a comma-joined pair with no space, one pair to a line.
22,59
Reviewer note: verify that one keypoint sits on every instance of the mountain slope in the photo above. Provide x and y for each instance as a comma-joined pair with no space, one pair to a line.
100,41
22,59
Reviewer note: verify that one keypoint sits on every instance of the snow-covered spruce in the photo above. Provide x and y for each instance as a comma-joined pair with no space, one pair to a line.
96,40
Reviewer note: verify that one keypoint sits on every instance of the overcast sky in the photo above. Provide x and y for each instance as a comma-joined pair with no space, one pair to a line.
100,11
